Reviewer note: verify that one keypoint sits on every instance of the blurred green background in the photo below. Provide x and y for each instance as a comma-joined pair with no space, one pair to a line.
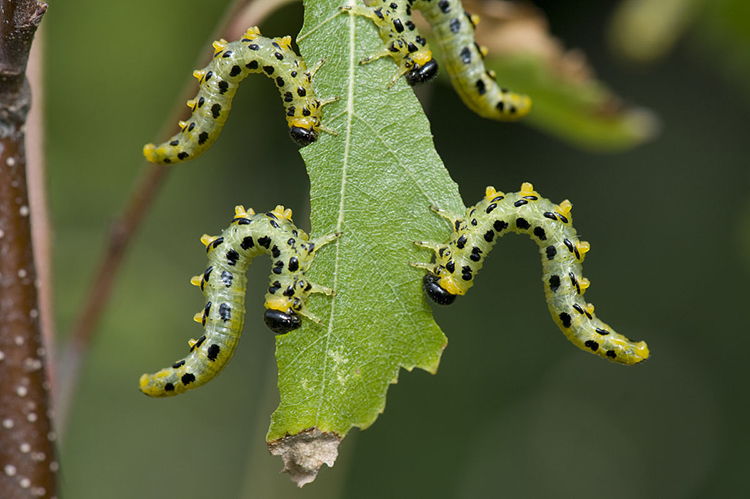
515,410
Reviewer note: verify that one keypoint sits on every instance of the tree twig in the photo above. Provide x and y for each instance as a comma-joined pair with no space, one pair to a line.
26,438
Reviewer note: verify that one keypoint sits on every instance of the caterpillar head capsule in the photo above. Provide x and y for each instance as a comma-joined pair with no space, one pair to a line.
303,136
422,73
280,322
436,293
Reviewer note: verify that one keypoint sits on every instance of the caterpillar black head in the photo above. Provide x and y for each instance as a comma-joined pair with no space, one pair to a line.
422,73
303,136
280,322
436,293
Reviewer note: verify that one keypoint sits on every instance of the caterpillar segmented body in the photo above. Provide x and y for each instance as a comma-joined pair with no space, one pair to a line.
218,81
224,284
550,225
453,29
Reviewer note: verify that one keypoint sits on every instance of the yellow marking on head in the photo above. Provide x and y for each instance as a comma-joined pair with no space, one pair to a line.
564,208
196,280
449,284
143,382
286,40
306,122
277,303
584,284
199,74
475,19
206,239
421,57
219,45
527,189
199,319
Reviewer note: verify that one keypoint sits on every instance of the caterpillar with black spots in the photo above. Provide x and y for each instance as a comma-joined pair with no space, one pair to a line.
218,81
526,212
453,30
224,284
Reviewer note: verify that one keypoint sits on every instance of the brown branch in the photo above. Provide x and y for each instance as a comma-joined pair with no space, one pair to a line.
138,205
27,452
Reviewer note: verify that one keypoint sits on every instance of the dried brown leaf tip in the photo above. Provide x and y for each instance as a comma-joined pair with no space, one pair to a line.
305,452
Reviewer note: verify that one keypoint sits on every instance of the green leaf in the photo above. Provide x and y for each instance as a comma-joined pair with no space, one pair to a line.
644,31
582,111
373,182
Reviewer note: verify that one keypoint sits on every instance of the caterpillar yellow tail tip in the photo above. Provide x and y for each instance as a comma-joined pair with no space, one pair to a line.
641,351
522,107
149,152
149,385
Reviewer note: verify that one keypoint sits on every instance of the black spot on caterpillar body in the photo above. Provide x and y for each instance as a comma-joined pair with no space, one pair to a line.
525,212
453,30
219,81
224,285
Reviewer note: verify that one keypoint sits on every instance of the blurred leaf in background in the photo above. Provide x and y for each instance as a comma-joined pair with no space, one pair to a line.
646,31
569,101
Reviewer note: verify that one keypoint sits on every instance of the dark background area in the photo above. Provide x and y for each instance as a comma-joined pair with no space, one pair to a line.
515,410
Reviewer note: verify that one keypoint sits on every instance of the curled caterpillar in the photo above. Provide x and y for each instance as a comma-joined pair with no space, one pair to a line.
218,81
224,283
453,29
550,225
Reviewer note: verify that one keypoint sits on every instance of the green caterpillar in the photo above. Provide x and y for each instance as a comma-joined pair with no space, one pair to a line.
550,225
224,283
453,29
218,81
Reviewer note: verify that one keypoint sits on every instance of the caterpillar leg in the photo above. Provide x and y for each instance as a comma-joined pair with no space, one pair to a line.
550,226
402,42
224,285
218,83
451,218
282,312
453,30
